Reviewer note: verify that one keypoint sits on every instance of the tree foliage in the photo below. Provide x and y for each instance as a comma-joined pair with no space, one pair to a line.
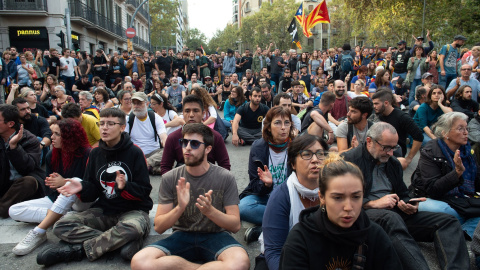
195,39
385,22
224,39
164,24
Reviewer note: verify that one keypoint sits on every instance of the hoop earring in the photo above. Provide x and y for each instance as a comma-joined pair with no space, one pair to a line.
323,208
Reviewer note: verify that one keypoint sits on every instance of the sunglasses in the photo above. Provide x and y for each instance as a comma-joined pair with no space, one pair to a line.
194,144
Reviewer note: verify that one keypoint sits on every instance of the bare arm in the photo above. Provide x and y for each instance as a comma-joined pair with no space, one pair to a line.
176,121
236,122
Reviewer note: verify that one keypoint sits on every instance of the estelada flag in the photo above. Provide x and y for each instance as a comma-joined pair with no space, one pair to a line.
292,29
300,15
318,15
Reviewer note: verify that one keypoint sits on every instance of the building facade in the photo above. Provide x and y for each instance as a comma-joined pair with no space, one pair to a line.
95,24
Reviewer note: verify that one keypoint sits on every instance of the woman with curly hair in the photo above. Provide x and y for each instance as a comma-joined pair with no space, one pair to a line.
67,159
234,101
101,99
210,111
160,105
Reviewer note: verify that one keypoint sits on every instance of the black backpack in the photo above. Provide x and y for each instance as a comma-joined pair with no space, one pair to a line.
151,115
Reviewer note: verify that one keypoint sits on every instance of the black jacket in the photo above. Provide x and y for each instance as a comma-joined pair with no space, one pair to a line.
434,175
99,179
25,158
362,158
468,107
316,243
259,151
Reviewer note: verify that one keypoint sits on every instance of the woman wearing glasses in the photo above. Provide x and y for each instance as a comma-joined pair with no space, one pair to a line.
305,155
268,168
447,169
160,105
337,234
67,159
429,112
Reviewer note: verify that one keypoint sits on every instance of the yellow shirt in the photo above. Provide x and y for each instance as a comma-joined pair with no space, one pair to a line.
89,124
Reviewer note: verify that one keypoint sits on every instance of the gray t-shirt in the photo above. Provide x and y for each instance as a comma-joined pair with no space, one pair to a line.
342,132
381,186
218,179
175,95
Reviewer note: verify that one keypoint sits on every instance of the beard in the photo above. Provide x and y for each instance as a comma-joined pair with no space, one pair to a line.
140,113
381,110
197,162
339,93
353,121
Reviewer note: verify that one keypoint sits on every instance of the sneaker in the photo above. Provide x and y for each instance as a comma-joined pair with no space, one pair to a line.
131,248
60,253
252,234
30,242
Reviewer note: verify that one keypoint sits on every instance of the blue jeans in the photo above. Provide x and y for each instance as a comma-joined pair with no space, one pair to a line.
239,74
431,205
252,208
413,85
276,79
426,139
69,81
402,75
445,80
196,246
43,153
227,124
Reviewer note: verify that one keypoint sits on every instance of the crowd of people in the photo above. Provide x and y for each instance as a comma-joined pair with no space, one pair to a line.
331,134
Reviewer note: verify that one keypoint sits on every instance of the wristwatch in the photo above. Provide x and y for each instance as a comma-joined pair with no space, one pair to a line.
42,144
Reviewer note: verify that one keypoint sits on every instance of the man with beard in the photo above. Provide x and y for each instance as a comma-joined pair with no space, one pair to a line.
247,124
146,130
285,81
38,126
401,121
464,79
164,63
193,111
223,91
353,132
387,203
53,63
464,103
246,61
175,93
340,107
250,79
229,63
38,88
400,58
200,201
117,182
211,89
267,95
447,57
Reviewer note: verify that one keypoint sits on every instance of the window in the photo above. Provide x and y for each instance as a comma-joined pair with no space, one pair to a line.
310,7
118,14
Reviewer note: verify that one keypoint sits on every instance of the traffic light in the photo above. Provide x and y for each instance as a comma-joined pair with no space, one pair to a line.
61,35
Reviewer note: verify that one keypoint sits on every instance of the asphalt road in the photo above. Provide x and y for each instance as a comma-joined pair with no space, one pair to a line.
12,232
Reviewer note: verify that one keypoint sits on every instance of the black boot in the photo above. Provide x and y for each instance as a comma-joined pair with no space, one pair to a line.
60,253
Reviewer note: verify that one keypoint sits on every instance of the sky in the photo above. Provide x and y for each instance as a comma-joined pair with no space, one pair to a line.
208,16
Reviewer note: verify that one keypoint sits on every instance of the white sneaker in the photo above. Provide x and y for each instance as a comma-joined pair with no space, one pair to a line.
30,242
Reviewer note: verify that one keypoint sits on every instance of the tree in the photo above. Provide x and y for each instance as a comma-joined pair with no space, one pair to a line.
195,39
224,39
163,26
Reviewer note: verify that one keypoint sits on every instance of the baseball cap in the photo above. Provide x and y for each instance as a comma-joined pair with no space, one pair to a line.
401,42
459,37
140,96
426,75
208,77
420,37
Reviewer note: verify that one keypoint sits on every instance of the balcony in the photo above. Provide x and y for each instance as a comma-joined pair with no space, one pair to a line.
25,7
133,4
141,43
92,19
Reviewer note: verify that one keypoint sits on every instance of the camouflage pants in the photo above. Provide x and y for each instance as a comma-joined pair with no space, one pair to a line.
100,233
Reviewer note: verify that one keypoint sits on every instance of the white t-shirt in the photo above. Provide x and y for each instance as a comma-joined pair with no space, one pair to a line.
277,164
142,133
211,112
169,115
70,63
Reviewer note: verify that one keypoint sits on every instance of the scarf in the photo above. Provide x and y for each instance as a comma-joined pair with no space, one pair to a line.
277,148
468,187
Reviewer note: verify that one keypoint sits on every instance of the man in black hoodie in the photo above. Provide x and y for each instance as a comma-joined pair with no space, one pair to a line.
117,177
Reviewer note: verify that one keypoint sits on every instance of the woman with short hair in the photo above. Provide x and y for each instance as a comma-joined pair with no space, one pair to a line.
101,99
448,169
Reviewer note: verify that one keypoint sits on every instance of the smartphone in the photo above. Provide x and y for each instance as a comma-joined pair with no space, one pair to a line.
259,164
414,201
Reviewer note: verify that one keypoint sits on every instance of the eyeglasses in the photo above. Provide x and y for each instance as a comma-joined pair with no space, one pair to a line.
194,144
109,124
388,148
307,154
279,123
463,129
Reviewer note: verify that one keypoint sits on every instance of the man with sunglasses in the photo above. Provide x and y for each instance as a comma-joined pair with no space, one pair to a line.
386,202
116,180
193,111
200,201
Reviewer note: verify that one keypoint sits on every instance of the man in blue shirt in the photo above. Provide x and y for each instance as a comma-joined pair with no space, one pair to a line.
447,57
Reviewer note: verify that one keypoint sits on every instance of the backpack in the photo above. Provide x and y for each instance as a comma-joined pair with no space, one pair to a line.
347,63
151,115
350,132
